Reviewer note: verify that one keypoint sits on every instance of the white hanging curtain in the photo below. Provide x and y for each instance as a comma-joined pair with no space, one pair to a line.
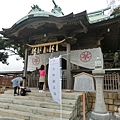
85,58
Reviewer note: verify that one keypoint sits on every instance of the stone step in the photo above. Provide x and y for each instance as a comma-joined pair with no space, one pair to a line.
26,115
36,110
38,98
9,118
39,106
43,96
65,95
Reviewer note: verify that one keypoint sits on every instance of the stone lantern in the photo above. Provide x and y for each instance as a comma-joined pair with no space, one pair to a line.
99,112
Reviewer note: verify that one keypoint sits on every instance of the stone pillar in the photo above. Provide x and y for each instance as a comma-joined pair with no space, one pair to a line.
68,67
100,112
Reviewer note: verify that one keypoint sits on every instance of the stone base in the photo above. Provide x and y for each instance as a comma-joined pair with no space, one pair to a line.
117,115
98,116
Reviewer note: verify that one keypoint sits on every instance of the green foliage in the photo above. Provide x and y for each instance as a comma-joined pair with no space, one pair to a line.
3,57
7,44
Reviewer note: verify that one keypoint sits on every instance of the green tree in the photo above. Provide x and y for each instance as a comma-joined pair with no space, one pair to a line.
6,45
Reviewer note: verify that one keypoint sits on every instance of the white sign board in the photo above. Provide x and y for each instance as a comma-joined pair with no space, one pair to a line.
84,82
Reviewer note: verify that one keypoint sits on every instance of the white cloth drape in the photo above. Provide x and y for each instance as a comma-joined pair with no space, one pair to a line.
85,58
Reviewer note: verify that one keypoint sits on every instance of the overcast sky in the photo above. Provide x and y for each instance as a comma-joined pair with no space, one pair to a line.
13,10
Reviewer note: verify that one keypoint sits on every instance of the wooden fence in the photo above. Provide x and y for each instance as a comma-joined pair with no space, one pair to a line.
112,82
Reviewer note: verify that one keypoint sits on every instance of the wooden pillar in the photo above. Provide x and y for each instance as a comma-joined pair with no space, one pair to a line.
25,67
84,118
68,67
28,78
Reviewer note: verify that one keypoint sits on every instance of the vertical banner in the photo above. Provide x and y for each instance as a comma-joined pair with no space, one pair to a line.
54,78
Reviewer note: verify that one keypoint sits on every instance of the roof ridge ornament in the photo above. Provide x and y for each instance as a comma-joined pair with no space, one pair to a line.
57,9
35,8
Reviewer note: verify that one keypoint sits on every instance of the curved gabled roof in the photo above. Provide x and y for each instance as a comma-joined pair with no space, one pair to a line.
41,26
37,12
37,23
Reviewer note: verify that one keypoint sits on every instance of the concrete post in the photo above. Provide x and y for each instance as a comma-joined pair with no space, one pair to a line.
100,112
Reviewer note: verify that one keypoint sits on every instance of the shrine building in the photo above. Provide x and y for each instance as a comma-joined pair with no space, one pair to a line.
80,38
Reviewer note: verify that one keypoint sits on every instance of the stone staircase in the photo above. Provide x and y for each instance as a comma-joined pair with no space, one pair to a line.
39,106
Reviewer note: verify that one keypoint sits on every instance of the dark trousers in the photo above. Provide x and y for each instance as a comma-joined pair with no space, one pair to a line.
15,90
41,85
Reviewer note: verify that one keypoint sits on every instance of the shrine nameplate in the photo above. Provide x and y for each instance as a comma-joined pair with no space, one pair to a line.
84,82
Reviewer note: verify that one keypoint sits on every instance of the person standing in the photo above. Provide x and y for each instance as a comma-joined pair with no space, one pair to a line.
16,83
42,73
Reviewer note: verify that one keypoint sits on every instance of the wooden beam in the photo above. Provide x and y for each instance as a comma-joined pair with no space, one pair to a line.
84,27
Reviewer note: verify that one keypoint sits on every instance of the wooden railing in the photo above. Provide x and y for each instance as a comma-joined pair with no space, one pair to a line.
112,82
32,80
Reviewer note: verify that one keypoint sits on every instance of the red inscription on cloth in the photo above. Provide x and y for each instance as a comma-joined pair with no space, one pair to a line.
85,56
36,60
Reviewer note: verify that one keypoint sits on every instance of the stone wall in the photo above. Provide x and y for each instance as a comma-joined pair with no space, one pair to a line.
112,100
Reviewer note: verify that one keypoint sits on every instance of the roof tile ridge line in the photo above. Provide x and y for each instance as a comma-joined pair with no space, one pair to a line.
102,10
